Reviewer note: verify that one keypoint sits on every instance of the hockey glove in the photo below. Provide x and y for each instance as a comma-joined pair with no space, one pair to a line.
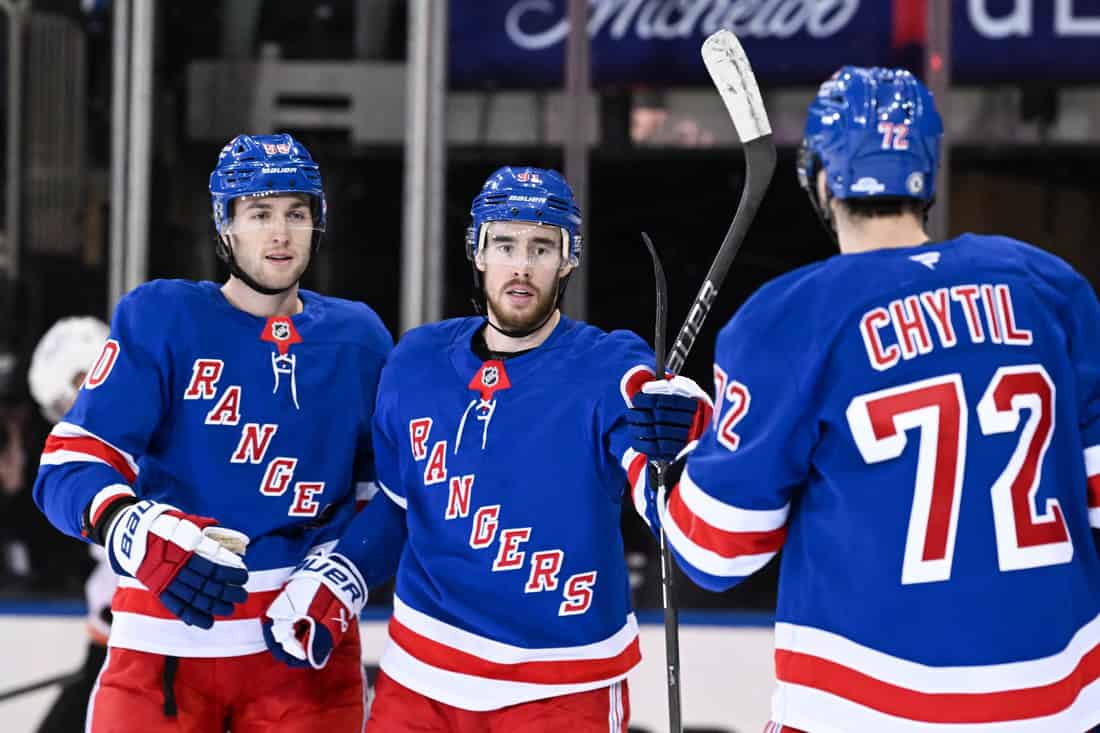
668,415
183,559
316,607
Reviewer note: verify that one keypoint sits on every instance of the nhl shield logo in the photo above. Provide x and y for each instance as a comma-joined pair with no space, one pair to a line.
490,378
280,330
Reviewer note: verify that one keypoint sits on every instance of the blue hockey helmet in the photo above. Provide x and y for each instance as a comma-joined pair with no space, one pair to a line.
263,165
876,133
527,194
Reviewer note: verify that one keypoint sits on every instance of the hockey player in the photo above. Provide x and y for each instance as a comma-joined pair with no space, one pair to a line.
215,419
502,455
58,367
917,425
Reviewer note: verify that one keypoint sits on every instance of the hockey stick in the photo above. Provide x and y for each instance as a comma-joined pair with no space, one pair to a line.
35,686
657,475
730,70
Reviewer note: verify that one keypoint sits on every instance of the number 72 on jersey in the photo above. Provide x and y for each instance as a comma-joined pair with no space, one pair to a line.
937,408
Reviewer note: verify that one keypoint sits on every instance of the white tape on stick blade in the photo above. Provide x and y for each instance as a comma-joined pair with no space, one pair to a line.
731,72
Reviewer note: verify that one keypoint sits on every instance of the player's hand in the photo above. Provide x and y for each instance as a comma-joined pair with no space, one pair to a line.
316,607
667,416
181,558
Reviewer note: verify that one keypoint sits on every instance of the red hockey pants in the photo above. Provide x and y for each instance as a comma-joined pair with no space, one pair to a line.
250,694
397,709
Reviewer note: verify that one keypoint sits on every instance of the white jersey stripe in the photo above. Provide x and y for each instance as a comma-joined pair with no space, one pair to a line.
172,637
468,691
501,653
398,500
706,560
947,680
726,516
70,430
810,709
1092,460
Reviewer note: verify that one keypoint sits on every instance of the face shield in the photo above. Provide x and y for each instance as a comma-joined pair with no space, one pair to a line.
522,245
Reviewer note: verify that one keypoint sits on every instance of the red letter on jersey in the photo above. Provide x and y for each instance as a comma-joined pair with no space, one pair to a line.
104,363
545,566
205,374
578,594
436,470
509,557
991,314
1013,335
485,526
418,436
303,504
253,443
967,295
228,409
872,321
277,476
911,329
458,498
938,305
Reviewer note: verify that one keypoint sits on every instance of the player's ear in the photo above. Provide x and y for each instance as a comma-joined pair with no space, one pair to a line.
566,268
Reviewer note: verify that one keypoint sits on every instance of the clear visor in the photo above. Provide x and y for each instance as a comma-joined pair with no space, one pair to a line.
521,244
289,214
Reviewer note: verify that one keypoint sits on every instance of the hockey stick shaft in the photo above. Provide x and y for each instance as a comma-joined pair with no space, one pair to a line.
731,72
35,686
732,75
672,624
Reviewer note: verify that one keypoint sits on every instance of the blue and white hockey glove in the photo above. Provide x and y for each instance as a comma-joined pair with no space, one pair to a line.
185,560
668,416
316,607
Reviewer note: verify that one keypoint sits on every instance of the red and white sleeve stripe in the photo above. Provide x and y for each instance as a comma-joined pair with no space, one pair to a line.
1092,469
634,463
69,443
718,538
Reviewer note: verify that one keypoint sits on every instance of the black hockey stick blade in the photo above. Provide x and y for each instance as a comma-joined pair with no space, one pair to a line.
731,72
662,304
657,476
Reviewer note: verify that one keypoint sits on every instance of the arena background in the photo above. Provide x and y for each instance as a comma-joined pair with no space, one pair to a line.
1019,82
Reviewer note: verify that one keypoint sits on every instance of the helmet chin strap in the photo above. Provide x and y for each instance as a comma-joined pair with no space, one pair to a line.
524,333
226,253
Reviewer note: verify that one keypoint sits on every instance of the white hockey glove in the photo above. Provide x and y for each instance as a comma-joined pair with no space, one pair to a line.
182,558
316,607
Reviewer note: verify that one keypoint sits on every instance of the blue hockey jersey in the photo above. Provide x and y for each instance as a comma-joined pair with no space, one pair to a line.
507,479
262,424
919,429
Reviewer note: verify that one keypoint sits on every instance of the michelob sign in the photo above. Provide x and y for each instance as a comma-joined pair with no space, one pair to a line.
521,43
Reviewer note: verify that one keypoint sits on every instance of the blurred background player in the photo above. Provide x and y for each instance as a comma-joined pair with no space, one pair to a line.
218,418
58,367
917,424
503,451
